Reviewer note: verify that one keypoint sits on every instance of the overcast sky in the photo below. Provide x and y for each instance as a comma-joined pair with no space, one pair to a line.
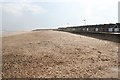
32,14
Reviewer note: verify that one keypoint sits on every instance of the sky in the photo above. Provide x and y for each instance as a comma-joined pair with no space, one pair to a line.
119,12
25,15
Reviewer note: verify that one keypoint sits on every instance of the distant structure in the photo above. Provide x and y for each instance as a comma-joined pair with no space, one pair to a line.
119,12
42,29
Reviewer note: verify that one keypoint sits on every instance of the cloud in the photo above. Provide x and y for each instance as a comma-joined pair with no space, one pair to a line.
35,9
89,1
12,8
0,5
98,9
15,1
20,8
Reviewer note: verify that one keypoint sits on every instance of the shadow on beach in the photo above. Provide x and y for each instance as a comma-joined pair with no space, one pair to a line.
108,37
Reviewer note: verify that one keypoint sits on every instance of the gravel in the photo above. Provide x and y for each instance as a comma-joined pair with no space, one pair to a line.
55,54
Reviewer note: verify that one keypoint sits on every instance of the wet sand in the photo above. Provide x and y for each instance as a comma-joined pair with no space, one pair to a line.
54,54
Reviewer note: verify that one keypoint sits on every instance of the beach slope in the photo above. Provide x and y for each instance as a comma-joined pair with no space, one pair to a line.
51,54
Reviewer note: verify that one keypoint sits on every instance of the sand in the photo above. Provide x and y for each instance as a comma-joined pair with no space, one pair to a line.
55,54
10,33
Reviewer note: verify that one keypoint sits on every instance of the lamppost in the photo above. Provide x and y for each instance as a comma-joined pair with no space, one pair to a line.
84,21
